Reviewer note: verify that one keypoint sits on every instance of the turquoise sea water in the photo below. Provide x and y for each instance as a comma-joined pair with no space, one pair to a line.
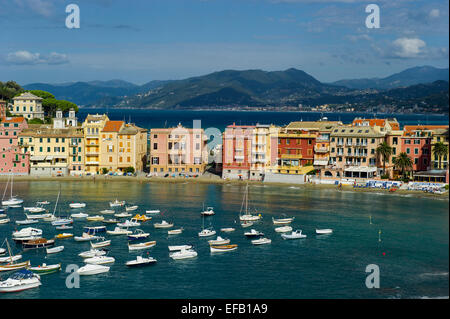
414,240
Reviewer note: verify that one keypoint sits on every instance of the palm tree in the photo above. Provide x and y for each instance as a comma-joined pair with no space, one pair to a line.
384,150
404,162
439,150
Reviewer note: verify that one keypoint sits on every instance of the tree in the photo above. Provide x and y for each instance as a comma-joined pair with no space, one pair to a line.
10,89
104,171
404,162
42,94
129,170
439,150
384,150
50,106
35,121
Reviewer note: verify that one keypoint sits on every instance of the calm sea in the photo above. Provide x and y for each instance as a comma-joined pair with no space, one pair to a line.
412,251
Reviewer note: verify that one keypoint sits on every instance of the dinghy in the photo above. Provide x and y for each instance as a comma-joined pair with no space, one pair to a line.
38,216
227,230
183,254
253,233
154,211
54,250
131,208
96,218
77,205
45,269
142,218
138,234
218,241
139,246
297,234
175,231
64,227
100,260
222,248
107,212
92,269
282,221
93,253
179,247
111,221
27,221
122,215
10,258
101,242
79,215
283,229
34,209
324,231
64,235
246,224
261,241
119,231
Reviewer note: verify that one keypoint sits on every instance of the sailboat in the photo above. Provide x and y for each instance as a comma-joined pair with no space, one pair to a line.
247,217
13,200
60,221
12,265
206,231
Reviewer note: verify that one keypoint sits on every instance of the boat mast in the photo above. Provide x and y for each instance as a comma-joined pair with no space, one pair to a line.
56,204
6,187
9,250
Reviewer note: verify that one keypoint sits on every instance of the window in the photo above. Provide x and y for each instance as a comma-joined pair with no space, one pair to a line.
155,160
416,151
407,151
155,146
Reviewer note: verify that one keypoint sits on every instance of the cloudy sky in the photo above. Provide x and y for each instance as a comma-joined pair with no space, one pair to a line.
140,41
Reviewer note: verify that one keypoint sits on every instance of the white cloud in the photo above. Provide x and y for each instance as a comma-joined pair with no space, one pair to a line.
409,47
27,58
434,13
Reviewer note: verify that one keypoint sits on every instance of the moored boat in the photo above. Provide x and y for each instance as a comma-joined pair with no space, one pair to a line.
79,215
27,221
163,224
152,211
138,234
77,205
324,231
95,218
253,233
139,246
222,248
218,241
283,229
261,241
64,235
175,231
92,253
119,231
140,261
282,221
38,243
183,254
92,269
180,247
85,237
297,234
227,230
45,269
142,218
100,242
117,203
20,280
100,260
131,208
54,250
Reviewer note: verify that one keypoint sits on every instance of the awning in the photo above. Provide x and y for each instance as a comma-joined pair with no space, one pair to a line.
320,162
49,158
37,158
59,156
361,169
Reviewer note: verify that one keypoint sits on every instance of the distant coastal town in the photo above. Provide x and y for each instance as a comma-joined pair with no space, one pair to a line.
363,152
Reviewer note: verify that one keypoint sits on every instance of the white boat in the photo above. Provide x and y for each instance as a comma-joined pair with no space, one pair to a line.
11,263
101,242
100,260
208,212
117,203
26,233
85,237
49,218
246,224
3,215
77,205
219,241
129,223
138,234
79,215
20,280
261,241
43,203
282,221
64,227
119,231
294,235
45,269
227,230
92,269
4,221
38,216
95,218
163,224
13,201
131,208
27,221
253,233
140,246
154,211
140,261
283,229
175,231
222,248
10,258
244,215
122,215
179,247
92,253
54,250
2,251
207,232
107,212
183,254
323,231
34,209
62,221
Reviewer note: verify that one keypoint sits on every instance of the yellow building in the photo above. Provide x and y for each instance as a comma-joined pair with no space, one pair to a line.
121,146
92,126
439,135
28,105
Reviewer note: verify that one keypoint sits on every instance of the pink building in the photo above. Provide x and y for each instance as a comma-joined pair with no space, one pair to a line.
11,158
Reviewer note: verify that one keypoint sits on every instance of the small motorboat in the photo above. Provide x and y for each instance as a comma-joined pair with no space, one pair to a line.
261,241
207,232
95,218
297,234
175,231
100,242
4,221
77,205
218,241
142,218
38,243
222,248
246,224
163,224
79,215
140,246
140,261
10,258
249,218
119,231
64,235
117,203
122,215
3,215
227,230
107,212
38,216
179,247
92,269
94,229
14,266
208,212
43,203
27,221
283,229
54,250
21,280
131,208
85,237
129,223
26,233
62,221
154,211
138,234
45,269
183,254
64,227
282,221
253,233
323,231
100,260
92,253
34,209
111,221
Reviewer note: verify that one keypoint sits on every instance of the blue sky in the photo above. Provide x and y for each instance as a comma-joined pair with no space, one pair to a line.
140,41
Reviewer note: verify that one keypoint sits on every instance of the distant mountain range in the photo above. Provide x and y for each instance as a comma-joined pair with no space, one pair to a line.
424,86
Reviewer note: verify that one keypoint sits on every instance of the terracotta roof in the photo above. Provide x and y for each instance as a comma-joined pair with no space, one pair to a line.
18,119
113,126
409,129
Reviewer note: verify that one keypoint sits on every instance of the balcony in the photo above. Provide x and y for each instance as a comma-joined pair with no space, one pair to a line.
320,149
92,162
291,156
